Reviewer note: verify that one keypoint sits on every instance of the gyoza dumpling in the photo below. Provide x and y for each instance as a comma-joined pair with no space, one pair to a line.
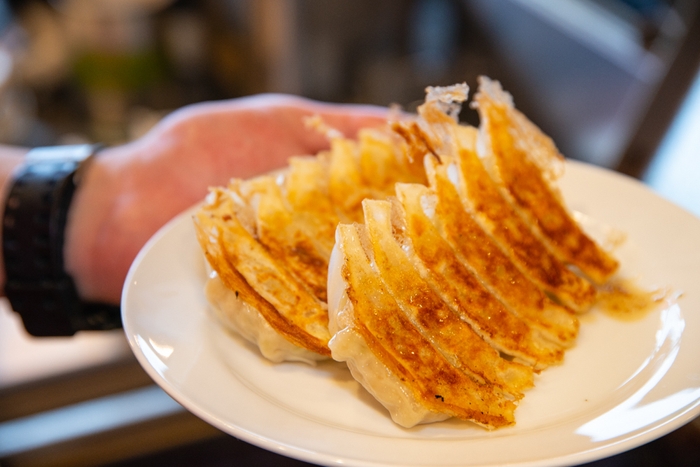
524,162
390,357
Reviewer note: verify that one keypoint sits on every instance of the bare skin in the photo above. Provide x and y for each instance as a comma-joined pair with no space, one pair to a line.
130,191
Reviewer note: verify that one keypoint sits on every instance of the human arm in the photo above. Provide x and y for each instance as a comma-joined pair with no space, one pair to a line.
132,190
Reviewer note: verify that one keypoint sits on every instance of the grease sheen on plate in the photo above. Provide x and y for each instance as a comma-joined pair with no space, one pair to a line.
622,385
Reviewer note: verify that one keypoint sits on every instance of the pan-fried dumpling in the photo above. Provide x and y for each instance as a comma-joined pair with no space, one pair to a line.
437,260
366,318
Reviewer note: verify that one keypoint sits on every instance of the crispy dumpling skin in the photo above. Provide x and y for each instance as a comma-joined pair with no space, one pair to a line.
462,289
524,161
347,345
365,308
454,146
249,270
239,317
462,345
290,237
306,190
484,257
506,226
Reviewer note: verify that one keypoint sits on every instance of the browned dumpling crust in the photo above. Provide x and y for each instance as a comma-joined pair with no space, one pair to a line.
247,268
516,146
438,260
460,288
393,338
461,342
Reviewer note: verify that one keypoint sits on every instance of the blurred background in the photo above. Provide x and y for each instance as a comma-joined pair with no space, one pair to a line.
614,82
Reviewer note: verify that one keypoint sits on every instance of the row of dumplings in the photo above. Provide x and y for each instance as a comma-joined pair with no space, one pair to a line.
437,259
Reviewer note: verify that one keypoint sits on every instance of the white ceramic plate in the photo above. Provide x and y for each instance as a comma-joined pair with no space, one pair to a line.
624,384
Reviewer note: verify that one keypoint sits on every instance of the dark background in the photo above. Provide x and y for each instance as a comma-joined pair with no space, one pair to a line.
586,71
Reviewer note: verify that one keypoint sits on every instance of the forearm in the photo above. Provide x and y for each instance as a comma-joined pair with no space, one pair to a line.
88,216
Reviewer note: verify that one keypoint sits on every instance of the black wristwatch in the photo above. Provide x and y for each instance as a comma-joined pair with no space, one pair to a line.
34,223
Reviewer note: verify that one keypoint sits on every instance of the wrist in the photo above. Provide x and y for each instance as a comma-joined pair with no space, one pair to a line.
88,218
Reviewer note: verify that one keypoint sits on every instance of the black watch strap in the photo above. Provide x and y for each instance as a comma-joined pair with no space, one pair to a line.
34,223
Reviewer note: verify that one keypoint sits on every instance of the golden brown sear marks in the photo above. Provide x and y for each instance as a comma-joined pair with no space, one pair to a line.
480,254
345,182
306,190
529,190
453,337
394,340
289,239
480,193
461,289
247,267
384,161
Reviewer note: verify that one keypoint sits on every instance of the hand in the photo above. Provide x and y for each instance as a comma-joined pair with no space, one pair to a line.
130,191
